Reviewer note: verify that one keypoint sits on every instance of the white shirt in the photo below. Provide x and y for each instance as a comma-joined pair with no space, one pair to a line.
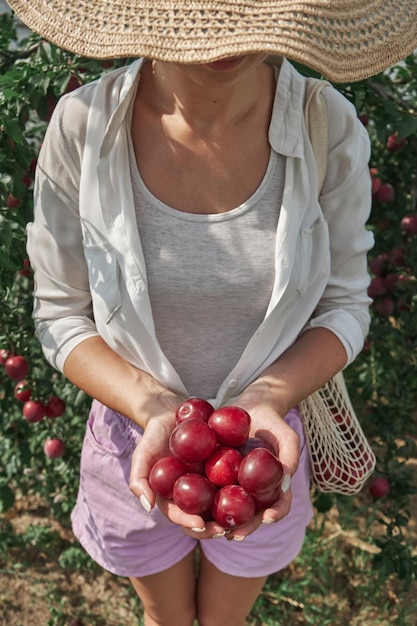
85,249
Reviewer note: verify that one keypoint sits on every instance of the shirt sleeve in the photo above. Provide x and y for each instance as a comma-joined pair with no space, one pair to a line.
62,302
346,203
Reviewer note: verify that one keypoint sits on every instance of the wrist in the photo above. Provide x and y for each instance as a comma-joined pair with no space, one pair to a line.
267,392
152,400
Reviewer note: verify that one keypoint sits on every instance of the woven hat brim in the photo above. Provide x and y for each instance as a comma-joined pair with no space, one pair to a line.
344,40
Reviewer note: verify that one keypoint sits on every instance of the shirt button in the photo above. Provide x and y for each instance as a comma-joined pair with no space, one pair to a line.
232,383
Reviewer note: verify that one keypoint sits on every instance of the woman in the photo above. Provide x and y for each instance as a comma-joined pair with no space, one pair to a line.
179,249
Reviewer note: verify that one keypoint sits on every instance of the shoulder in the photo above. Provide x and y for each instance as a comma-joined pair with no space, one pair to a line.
66,131
343,121
73,108
71,117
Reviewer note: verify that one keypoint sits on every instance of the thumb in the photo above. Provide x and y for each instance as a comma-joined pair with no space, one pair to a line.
152,446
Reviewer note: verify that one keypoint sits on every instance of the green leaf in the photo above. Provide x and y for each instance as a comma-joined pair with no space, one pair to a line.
13,129
407,126
7,498
5,233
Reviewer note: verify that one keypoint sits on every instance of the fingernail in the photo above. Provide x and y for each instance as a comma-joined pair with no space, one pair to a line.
218,535
269,520
145,503
286,483
198,530
238,538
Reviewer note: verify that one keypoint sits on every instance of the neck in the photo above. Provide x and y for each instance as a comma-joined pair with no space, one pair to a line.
206,99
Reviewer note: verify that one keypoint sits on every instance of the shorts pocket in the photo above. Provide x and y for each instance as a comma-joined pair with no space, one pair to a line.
110,432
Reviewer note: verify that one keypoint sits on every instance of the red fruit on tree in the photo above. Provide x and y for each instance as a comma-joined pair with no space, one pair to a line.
33,411
192,440
233,506
376,287
51,102
55,407
222,466
22,391
386,306
394,143
27,179
260,470
367,346
397,256
379,265
391,281
26,269
54,448
193,494
385,193
231,425
73,83
4,355
163,475
379,487
193,408
409,224
376,183
12,202
364,118
16,367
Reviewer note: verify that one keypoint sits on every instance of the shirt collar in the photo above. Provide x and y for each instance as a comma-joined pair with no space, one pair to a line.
123,90
285,130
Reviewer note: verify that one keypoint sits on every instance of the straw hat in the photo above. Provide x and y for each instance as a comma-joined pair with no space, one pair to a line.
346,40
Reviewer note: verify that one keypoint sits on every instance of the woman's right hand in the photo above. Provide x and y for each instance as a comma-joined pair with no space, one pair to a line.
153,445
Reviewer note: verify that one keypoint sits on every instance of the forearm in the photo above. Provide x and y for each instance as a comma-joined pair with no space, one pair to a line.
302,369
99,371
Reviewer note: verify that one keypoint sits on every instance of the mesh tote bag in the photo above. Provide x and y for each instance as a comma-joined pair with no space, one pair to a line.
341,457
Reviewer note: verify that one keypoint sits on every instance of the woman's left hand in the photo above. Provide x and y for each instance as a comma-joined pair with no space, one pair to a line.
268,424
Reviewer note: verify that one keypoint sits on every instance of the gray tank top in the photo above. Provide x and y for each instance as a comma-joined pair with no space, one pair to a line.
210,277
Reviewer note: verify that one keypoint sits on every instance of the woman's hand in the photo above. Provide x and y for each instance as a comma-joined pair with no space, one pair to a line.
267,423
154,445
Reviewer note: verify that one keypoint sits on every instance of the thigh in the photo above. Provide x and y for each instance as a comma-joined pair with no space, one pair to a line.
224,599
168,597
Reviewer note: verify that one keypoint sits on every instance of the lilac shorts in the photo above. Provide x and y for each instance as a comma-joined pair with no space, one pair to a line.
117,533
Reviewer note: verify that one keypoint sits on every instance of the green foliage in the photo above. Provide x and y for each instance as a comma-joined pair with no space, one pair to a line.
33,75
382,381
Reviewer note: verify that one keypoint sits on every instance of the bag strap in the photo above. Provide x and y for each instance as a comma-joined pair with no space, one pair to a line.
315,118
